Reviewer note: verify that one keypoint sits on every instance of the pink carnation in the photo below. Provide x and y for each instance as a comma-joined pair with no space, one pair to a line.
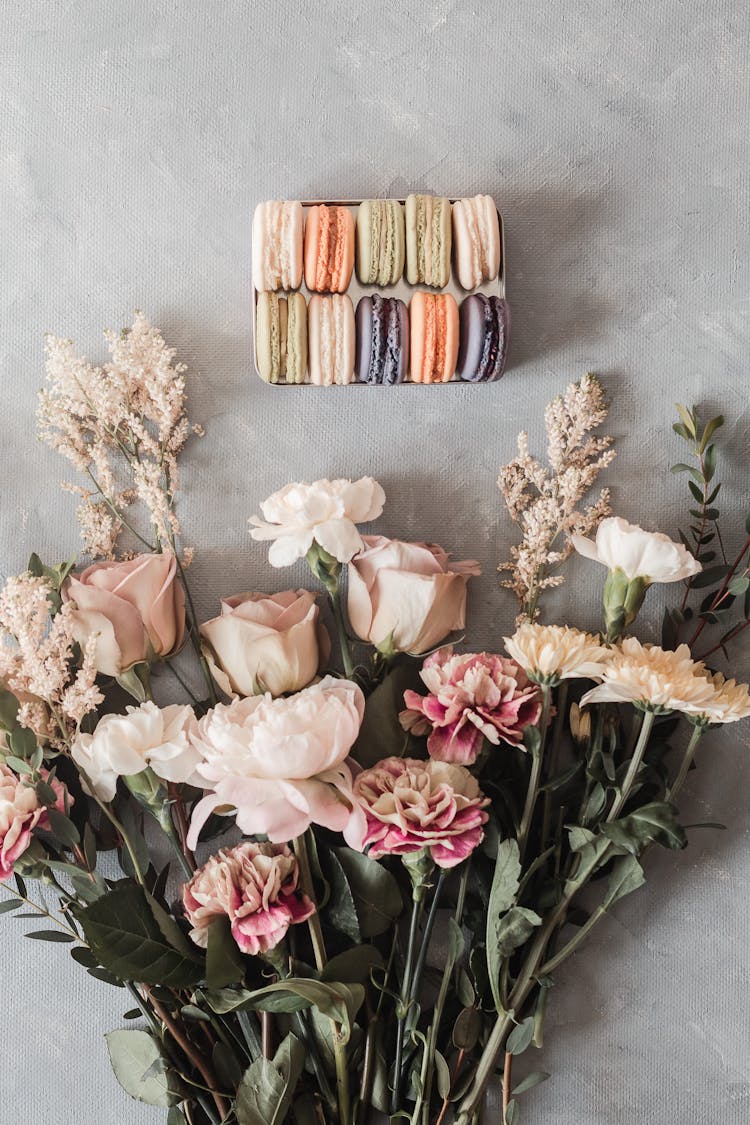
20,814
407,805
255,886
473,696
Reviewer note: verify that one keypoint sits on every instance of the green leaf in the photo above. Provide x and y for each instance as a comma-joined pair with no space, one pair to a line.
520,1037
512,1113
710,429
133,1054
224,964
22,742
8,710
353,965
514,929
340,1002
265,1093
467,1029
688,419
226,1065
627,876
50,935
681,467
126,939
505,882
535,1078
442,1075
9,904
176,1116
710,576
652,823
340,910
381,734
376,894
709,462
63,828
739,585
18,765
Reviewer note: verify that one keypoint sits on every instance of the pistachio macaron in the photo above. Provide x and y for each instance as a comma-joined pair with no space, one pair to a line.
281,337
428,240
381,241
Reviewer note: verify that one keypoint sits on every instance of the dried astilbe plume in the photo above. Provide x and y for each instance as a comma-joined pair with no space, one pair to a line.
127,418
544,501
38,660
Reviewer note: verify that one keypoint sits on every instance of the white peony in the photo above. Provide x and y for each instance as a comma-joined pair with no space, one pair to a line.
124,745
637,553
324,512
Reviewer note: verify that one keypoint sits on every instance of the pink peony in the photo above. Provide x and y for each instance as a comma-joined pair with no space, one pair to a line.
409,805
472,696
20,814
279,764
255,886
134,607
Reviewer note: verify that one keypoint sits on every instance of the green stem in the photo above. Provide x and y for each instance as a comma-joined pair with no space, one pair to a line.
537,759
194,629
338,613
426,936
316,935
687,760
634,766
403,1008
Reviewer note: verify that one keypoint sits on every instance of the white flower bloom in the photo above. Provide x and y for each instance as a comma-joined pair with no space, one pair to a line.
123,745
550,653
324,512
654,679
637,553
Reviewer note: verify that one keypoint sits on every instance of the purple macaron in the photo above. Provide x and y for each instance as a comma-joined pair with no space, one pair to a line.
382,340
483,338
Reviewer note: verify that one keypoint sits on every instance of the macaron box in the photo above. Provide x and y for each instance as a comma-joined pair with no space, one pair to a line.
379,291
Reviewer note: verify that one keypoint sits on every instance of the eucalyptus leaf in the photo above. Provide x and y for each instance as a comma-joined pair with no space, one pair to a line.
9,904
133,1054
520,1037
467,1029
442,1075
50,935
512,1113
535,1078
265,1093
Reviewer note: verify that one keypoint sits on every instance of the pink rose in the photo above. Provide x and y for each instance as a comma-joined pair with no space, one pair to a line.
472,696
20,814
279,763
135,608
265,642
409,805
406,597
255,886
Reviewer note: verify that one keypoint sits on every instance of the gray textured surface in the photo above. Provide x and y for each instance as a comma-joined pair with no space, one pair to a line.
134,141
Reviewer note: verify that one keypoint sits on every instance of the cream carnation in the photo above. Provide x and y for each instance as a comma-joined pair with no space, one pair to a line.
325,512
124,745
550,653
624,546
278,764
255,887
730,701
654,679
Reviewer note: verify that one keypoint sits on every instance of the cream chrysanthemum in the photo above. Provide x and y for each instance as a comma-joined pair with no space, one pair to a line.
550,653
729,703
654,679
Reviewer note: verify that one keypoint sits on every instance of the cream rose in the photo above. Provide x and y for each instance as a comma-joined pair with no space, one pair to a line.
624,546
135,608
264,642
325,512
278,764
406,596
124,745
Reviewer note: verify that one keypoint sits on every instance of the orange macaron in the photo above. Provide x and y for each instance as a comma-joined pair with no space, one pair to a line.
329,249
433,330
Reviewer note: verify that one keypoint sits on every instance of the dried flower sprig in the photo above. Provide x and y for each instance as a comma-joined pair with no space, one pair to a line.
126,419
544,501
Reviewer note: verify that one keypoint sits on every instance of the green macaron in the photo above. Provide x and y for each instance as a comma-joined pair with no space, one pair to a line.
380,242
281,337
428,240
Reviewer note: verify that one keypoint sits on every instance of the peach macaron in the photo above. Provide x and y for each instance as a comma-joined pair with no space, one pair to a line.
329,248
434,337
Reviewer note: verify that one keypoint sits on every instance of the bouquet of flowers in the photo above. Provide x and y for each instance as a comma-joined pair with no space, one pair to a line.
337,888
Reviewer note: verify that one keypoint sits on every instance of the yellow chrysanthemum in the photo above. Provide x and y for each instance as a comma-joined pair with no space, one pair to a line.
550,653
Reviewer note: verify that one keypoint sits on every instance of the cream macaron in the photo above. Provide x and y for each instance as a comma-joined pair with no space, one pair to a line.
331,339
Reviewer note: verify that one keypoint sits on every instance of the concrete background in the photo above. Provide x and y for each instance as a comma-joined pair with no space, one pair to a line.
135,140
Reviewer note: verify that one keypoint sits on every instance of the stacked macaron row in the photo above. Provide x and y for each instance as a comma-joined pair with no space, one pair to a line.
391,245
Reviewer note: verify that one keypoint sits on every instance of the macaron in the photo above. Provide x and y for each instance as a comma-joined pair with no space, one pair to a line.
433,328
277,245
381,241
476,240
331,336
329,249
281,337
382,340
428,240
485,326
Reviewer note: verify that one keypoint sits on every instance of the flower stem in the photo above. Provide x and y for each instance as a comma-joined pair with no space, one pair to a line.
687,760
319,950
338,613
635,762
403,1008
537,758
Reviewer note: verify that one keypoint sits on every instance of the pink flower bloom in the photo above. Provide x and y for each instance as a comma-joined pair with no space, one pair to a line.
471,697
279,764
135,608
20,814
409,805
255,886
